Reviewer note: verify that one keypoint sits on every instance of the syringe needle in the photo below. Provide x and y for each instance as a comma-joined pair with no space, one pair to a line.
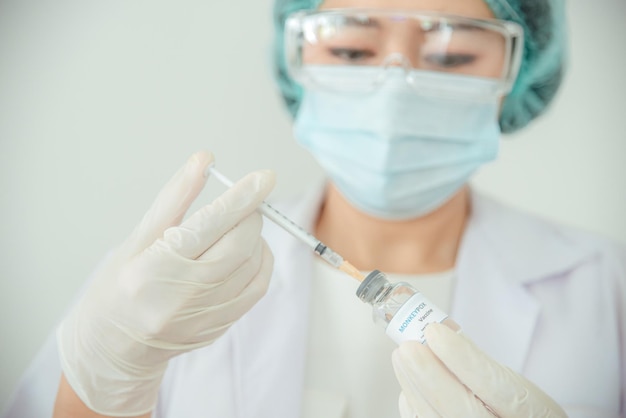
352,271
294,229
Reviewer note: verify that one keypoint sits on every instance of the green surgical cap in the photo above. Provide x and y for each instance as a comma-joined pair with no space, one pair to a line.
540,74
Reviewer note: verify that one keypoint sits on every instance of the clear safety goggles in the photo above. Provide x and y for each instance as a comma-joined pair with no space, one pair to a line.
319,43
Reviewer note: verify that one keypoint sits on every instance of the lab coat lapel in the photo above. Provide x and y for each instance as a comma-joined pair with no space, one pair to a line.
270,344
488,305
502,254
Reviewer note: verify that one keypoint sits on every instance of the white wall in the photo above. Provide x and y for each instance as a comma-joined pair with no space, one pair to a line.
101,101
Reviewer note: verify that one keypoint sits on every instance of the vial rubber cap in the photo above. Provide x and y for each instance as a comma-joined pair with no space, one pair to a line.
371,285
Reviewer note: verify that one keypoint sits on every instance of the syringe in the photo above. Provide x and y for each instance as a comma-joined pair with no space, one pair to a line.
288,225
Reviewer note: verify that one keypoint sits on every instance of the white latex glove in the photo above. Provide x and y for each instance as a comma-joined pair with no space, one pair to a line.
171,287
451,377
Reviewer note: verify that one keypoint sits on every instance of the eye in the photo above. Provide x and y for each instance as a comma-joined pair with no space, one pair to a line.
351,54
450,60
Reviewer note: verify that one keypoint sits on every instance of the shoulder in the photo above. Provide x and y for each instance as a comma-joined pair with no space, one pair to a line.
539,246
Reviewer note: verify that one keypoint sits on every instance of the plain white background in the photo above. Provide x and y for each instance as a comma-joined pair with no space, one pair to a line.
101,101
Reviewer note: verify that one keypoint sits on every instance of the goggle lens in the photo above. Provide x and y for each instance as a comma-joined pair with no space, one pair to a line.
427,42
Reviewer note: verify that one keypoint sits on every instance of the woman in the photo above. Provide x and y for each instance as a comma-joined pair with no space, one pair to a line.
400,102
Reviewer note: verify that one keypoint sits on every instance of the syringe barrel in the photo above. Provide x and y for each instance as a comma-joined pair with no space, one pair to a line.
331,257
288,225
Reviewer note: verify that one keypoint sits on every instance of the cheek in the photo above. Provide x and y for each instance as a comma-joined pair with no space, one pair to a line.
312,54
492,65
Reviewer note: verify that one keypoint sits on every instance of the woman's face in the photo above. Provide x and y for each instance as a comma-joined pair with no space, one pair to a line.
463,51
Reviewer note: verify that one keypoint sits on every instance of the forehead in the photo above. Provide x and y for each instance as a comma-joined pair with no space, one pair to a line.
469,8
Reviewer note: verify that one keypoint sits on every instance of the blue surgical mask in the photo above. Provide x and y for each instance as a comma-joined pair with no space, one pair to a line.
398,153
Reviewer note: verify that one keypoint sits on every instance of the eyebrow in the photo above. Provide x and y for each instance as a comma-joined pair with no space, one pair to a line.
436,26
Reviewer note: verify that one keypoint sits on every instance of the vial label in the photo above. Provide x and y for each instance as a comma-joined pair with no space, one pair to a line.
409,322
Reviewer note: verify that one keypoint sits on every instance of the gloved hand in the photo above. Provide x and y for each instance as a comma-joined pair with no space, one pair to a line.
171,287
451,377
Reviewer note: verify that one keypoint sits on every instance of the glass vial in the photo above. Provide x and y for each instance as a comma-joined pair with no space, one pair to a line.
400,308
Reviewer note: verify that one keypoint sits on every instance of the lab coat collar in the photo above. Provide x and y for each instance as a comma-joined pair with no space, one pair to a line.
526,247
503,253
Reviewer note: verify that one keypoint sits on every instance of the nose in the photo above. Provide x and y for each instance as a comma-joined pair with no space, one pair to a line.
403,41
396,59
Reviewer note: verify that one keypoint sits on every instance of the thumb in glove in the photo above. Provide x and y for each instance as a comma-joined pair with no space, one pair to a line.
451,377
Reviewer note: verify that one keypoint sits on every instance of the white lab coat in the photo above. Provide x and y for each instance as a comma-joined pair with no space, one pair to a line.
545,300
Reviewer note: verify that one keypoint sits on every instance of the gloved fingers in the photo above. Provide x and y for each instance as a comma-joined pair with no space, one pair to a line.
171,203
408,411
421,374
238,246
206,226
234,248
507,393
213,321
231,285
231,310
180,313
